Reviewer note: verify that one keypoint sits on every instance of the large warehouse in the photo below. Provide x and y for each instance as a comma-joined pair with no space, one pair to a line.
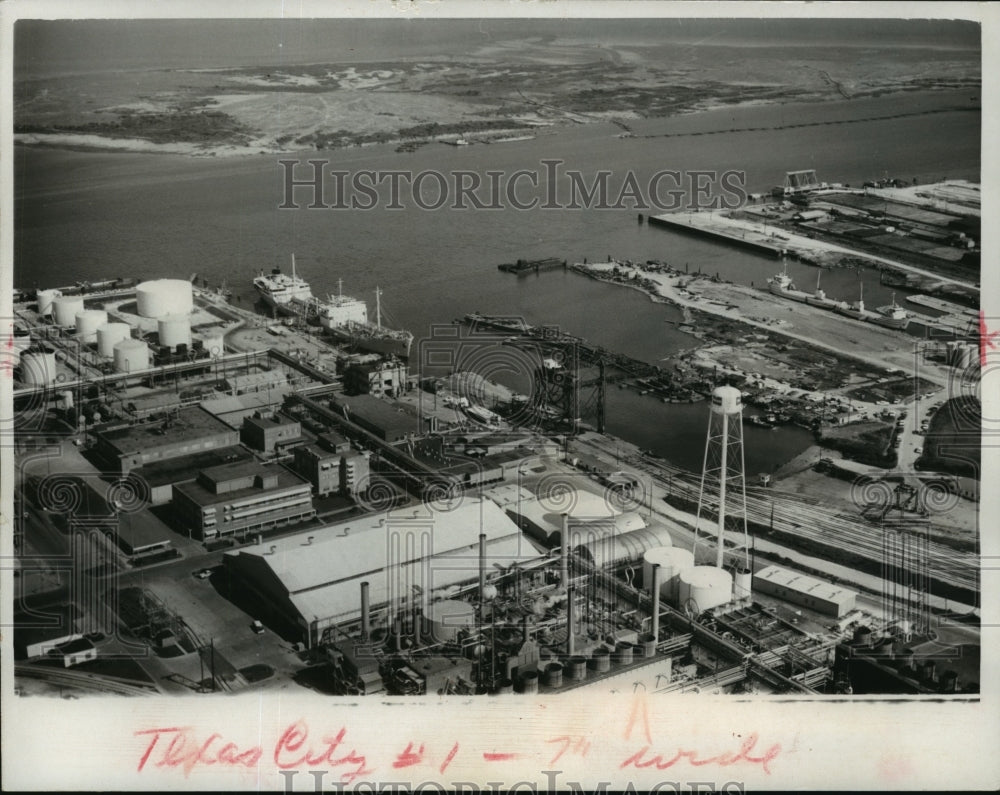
313,580
190,430
800,589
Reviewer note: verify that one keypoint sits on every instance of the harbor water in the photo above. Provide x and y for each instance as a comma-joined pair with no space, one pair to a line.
86,215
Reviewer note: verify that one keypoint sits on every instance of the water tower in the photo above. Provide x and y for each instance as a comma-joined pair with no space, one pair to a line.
723,478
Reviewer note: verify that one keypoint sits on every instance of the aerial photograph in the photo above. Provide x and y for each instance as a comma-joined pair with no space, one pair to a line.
419,357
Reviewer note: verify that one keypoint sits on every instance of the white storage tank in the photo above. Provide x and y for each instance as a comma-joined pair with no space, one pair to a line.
161,297
45,299
704,587
174,330
727,400
131,356
742,584
672,560
88,322
38,367
109,335
448,616
66,308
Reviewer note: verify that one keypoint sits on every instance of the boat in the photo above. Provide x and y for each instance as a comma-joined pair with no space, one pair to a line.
819,298
278,289
857,308
892,315
346,319
782,284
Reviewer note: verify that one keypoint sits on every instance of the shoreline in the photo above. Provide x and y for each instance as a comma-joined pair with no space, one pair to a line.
91,142
664,288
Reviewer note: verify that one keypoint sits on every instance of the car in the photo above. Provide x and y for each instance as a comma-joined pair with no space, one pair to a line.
203,574
257,627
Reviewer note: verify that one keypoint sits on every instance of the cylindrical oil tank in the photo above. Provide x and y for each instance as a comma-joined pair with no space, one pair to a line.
601,659
109,335
88,322
863,636
704,587
131,356
45,299
448,616
627,547
66,308
505,687
529,682
742,583
38,367
577,668
554,674
174,330
623,653
672,560
161,297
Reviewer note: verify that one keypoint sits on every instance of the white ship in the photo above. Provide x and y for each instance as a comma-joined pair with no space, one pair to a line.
279,289
781,284
892,315
346,319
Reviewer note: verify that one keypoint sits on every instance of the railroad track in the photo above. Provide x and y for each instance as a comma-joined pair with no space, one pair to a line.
86,681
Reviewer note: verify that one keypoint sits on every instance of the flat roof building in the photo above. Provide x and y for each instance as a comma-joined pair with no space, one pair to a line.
313,580
269,434
329,472
241,498
803,590
190,430
391,422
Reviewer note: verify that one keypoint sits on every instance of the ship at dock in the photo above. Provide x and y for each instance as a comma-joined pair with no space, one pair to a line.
782,284
278,289
819,298
346,320
892,316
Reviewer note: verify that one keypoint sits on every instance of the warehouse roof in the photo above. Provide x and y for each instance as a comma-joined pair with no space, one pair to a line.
187,425
322,575
804,584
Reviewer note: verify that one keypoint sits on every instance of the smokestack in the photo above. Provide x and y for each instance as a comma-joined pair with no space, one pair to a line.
570,620
397,628
657,578
524,629
365,617
482,569
564,559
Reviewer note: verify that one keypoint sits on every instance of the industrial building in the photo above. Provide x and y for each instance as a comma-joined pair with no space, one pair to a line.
388,421
270,434
377,378
256,382
330,472
241,498
312,580
161,476
800,589
188,431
